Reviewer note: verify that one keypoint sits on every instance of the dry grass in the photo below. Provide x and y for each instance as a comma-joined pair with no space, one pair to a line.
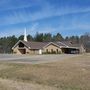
72,74
14,85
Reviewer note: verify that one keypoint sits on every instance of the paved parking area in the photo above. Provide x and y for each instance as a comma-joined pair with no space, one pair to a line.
34,59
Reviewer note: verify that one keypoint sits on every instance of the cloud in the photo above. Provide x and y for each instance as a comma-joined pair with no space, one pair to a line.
34,26
32,12
24,16
12,31
84,26
46,30
47,10
6,5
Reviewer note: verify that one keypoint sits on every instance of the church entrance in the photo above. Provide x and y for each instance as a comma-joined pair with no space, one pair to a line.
22,51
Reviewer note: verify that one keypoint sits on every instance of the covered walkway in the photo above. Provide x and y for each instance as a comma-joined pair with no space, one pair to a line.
70,50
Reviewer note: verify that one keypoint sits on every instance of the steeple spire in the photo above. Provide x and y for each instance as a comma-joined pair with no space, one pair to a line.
25,35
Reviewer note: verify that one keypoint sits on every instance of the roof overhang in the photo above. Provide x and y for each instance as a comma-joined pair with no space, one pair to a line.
18,43
51,43
71,47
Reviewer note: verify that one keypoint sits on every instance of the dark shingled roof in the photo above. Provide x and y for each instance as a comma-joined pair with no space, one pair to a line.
40,45
61,44
35,45
70,44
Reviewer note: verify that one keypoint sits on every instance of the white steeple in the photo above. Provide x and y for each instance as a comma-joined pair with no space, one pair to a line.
25,35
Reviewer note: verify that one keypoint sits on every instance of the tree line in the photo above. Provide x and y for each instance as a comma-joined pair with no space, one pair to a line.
6,43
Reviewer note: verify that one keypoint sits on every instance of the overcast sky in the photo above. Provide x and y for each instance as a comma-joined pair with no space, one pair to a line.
68,17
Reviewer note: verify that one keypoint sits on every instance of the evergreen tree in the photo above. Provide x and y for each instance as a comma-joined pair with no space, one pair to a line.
58,37
21,37
47,37
29,38
38,37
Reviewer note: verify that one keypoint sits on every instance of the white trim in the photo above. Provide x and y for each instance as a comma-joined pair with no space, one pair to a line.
51,43
40,51
18,43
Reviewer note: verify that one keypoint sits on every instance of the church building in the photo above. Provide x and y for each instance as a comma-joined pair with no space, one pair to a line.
29,47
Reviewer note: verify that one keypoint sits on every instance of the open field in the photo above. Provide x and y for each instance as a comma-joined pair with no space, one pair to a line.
72,73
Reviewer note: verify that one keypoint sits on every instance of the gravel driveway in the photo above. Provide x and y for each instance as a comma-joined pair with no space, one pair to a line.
34,59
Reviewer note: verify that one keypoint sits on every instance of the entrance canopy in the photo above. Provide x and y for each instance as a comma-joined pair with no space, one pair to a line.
70,50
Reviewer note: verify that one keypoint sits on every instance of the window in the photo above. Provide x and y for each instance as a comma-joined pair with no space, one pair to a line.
21,45
51,50
46,50
57,50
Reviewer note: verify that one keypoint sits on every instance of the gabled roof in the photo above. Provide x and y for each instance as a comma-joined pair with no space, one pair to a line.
16,44
41,45
61,44
67,43
32,45
52,43
36,45
73,45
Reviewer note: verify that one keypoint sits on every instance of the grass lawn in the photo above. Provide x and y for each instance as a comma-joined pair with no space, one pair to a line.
71,74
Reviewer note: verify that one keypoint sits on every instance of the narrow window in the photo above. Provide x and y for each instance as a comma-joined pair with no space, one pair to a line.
46,50
57,50
51,50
